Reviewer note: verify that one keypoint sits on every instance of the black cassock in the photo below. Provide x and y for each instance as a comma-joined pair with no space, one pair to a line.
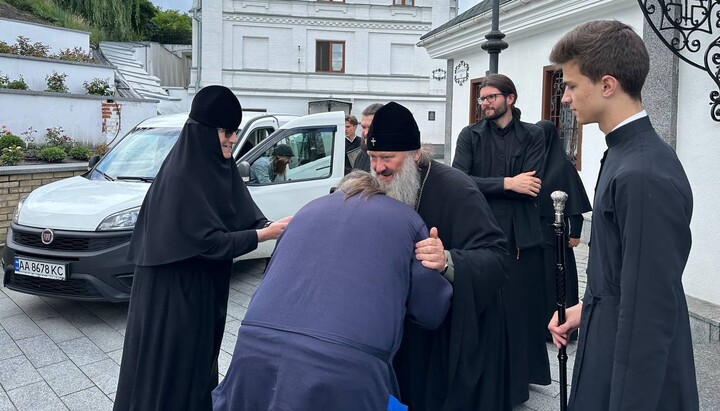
462,365
559,174
196,216
634,350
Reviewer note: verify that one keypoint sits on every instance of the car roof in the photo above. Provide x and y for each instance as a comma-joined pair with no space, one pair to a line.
178,120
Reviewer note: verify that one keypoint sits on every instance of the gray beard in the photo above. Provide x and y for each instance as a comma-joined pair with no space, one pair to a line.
405,184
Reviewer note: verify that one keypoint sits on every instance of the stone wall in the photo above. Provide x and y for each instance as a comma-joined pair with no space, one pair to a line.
18,181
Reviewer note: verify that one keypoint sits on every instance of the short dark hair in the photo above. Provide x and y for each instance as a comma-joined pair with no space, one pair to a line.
505,85
606,47
372,109
349,118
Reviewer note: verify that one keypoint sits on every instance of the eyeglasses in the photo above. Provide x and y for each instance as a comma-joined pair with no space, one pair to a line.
490,97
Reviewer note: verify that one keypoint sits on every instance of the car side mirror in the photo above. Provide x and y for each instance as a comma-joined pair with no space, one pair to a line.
93,160
244,169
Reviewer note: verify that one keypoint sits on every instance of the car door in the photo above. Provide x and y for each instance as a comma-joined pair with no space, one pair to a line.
253,133
316,166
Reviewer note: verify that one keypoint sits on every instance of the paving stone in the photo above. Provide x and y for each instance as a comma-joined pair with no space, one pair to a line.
36,308
82,351
36,397
20,327
16,372
232,326
116,355
707,369
224,360
239,298
238,284
228,343
114,315
104,374
75,313
65,378
5,403
104,336
91,399
41,351
552,390
8,308
59,329
8,348
540,402
236,311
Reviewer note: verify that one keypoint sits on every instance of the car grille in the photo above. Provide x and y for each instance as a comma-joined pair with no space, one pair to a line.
71,287
66,243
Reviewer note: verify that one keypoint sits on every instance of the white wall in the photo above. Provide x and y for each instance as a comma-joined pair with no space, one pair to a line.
57,38
35,70
698,146
44,110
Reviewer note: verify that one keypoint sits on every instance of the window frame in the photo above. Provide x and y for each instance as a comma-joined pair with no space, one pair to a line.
330,66
552,90
403,3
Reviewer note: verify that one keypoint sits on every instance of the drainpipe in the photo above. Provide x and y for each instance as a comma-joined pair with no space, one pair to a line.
198,60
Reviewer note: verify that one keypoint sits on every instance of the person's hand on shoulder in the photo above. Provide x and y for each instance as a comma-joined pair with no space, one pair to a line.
273,230
431,251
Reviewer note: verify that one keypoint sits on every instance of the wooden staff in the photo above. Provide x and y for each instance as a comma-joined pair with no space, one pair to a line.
559,198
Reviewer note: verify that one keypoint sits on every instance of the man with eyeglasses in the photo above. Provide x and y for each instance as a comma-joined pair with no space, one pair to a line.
504,156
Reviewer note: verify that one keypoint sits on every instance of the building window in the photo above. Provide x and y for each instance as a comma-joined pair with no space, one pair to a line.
330,56
475,112
404,2
335,1
561,115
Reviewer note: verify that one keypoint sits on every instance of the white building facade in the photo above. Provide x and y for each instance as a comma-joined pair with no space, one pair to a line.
532,28
280,55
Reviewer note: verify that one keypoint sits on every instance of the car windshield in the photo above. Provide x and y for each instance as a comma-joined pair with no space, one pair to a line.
138,156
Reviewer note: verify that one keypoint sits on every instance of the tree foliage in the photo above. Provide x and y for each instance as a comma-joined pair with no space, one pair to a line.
171,27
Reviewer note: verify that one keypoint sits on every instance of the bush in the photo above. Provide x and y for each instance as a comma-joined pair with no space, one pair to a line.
11,156
4,80
80,153
56,82
98,87
101,149
11,140
5,48
18,84
24,48
55,137
76,54
52,154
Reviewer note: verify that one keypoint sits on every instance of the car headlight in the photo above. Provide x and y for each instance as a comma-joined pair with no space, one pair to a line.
123,220
17,209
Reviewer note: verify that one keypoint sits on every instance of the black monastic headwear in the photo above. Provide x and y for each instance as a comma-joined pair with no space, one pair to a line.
393,129
217,107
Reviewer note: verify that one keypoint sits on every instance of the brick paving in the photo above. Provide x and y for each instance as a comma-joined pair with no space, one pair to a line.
59,355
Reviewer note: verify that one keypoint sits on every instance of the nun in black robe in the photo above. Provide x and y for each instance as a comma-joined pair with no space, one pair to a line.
560,174
197,216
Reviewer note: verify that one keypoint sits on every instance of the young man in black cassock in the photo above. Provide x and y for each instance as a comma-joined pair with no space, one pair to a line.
634,350
196,217
505,157
460,366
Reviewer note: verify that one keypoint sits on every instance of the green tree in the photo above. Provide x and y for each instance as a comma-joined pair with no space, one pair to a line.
171,27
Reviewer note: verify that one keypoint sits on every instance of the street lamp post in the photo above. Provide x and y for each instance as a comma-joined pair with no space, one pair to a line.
494,44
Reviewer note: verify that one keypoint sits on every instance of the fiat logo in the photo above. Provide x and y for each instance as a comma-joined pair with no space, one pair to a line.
47,236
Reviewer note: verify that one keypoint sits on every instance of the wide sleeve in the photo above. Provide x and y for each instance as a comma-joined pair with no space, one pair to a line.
653,218
534,160
576,224
464,159
430,293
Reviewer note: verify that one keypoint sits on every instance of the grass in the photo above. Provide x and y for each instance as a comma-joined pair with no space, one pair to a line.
54,15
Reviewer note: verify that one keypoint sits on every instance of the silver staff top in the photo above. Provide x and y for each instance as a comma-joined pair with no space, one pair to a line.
559,198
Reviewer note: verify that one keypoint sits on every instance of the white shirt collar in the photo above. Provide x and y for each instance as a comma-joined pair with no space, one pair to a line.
632,118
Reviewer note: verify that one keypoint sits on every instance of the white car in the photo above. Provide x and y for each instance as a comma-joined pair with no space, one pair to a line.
69,239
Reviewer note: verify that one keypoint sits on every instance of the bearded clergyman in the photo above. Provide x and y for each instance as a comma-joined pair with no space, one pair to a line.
461,365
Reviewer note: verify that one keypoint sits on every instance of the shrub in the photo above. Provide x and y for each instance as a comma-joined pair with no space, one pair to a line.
102,149
55,137
52,154
31,149
11,156
5,48
18,84
98,87
11,140
4,80
24,48
56,82
76,54
80,153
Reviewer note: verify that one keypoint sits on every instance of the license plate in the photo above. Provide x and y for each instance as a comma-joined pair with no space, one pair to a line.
42,269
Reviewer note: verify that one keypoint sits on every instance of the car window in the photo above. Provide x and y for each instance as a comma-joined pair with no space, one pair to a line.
254,138
137,156
311,158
